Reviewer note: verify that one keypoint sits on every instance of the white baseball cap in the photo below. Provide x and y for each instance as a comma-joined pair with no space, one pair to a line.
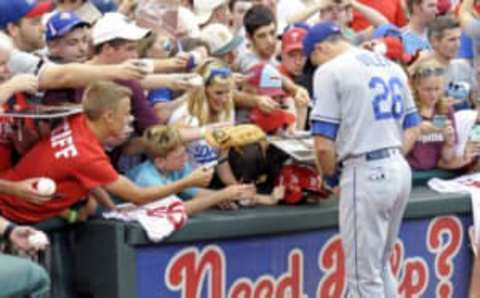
203,9
116,26
220,39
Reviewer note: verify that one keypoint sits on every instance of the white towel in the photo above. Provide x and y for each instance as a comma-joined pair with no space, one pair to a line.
464,122
466,183
159,219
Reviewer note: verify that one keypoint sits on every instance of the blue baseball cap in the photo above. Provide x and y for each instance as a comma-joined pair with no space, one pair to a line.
11,11
61,23
387,30
318,33
105,6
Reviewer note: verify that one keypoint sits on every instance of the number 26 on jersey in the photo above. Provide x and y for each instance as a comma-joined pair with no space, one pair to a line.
388,100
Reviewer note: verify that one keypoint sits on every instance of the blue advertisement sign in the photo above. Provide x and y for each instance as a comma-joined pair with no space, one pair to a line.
431,258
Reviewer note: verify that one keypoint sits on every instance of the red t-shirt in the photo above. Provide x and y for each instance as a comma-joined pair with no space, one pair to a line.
391,9
71,156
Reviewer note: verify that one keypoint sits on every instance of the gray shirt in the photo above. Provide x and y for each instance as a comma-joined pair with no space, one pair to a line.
363,102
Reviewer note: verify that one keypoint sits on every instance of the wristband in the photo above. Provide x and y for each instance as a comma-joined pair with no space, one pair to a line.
72,216
8,230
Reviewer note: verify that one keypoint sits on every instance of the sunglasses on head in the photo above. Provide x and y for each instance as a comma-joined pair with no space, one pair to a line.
222,72
428,72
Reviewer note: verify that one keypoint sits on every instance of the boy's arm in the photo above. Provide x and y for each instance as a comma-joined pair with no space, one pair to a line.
128,191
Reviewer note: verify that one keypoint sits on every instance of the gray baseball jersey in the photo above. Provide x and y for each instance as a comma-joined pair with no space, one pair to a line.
341,87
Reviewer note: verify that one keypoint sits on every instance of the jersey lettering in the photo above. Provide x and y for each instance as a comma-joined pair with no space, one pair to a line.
388,102
63,139
373,60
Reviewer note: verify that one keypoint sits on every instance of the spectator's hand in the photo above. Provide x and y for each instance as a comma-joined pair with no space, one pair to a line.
24,83
426,127
180,61
301,97
449,133
88,209
472,151
129,70
19,238
25,189
200,177
185,81
266,104
236,192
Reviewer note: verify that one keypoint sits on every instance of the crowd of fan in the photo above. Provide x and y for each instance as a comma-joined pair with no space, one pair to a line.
223,63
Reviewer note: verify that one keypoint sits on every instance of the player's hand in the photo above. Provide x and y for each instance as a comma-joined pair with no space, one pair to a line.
19,238
301,97
128,70
200,177
25,189
449,133
89,209
23,83
266,104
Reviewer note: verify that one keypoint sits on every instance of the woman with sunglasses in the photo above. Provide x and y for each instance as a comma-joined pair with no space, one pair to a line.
435,146
208,107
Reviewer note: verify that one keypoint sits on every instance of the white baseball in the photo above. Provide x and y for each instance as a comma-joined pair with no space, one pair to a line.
46,186
38,240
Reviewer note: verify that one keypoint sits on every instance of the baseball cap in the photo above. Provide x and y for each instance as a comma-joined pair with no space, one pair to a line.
116,26
105,6
266,78
298,179
393,49
203,9
220,39
61,23
293,40
12,11
270,122
386,30
318,33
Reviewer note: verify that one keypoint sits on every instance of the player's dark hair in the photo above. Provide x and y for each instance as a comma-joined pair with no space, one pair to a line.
257,16
440,24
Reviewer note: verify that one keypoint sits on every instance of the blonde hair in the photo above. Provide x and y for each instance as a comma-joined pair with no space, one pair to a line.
102,96
425,69
160,140
197,103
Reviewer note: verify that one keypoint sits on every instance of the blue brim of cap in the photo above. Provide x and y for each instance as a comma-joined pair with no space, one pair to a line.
67,29
232,45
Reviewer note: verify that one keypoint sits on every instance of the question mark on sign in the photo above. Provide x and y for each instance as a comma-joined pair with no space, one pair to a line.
445,250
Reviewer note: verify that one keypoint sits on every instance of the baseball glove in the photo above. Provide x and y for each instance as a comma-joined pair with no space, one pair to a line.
234,136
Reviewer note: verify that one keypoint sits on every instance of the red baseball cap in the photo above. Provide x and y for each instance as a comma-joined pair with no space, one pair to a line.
298,179
266,79
40,9
393,49
270,122
293,40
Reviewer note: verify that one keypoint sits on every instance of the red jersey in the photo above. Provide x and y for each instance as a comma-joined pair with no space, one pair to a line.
71,156
391,9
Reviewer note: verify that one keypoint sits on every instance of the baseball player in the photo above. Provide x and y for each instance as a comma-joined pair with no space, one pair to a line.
363,111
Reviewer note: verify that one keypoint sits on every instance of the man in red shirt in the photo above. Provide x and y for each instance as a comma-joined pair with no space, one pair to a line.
393,10
73,157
